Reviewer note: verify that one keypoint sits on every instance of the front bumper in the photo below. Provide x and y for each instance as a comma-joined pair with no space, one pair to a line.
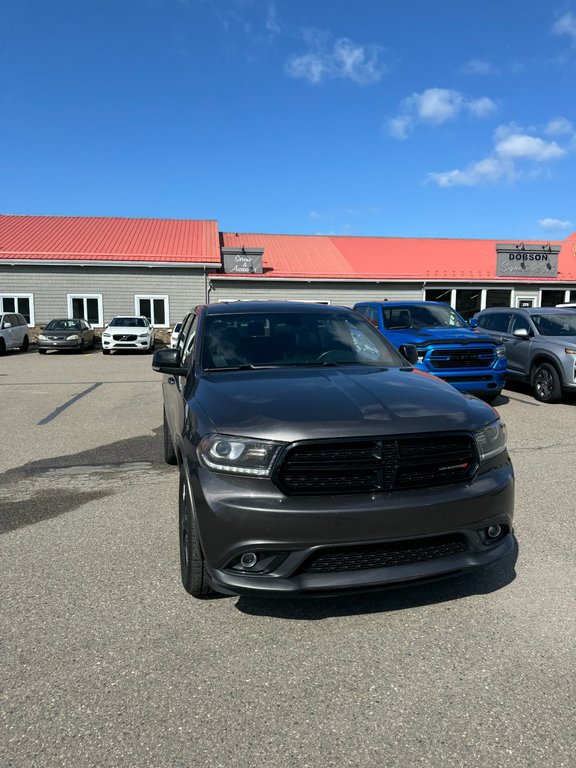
234,518
111,344
58,344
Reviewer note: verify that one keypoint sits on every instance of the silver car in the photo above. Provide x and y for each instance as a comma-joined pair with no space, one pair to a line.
13,332
540,346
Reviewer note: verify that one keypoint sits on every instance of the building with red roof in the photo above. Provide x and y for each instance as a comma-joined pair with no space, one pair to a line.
99,267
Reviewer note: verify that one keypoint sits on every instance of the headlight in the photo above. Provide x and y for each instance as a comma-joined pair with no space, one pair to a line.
491,440
73,337
570,351
239,455
107,335
41,337
143,335
500,352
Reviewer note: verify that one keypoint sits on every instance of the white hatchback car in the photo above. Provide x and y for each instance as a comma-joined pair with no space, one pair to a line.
128,333
13,332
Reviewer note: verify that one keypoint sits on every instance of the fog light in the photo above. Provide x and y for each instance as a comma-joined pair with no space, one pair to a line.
248,560
494,531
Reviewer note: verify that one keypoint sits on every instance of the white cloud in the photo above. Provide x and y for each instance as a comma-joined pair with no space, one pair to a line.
559,126
515,153
345,60
554,225
565,26
479,67
517,146
435,106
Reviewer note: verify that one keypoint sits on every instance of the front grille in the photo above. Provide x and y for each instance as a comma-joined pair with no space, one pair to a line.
461,358
124,337
368,466
356,558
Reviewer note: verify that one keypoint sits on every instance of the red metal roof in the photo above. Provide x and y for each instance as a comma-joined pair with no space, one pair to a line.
87,238
392,258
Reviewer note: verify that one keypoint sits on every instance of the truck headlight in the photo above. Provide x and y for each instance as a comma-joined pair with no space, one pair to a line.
238,455
491,440
501,352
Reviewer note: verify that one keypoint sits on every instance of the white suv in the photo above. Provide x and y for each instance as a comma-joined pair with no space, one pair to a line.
128,333
13,332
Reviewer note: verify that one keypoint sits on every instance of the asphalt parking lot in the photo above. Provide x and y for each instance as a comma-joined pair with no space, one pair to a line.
106,661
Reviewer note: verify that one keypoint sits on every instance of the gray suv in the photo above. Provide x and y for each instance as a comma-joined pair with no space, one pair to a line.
13,332
315,458
540,346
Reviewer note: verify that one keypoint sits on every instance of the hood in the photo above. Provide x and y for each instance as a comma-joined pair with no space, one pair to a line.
438,335
132,329
304,404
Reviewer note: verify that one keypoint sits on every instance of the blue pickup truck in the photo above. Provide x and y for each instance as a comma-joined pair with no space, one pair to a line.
447,346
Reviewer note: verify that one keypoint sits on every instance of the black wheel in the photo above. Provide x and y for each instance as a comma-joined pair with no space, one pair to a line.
42,351
192,567
546,383
105,351
2,347
81,347
169,452
25,344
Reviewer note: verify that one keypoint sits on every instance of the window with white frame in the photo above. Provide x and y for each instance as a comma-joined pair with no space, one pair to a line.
86,307
22,303
155,308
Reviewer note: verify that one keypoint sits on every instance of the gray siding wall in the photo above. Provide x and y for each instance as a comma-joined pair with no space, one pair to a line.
118,287
345,294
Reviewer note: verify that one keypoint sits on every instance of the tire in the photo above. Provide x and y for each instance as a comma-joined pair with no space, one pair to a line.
42,351
491,397
81,347
25,344
2,347
105,351
546,383
192,566
169,452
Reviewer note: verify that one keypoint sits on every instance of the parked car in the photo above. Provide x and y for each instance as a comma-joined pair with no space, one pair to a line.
313,458
447,346
174,334
540,346
14,332
65,333
128,333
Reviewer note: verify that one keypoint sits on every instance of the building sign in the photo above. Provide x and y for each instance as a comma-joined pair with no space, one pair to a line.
242,261
527,260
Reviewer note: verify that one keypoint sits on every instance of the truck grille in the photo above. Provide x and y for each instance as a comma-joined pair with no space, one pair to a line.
356,558
367,466
461,358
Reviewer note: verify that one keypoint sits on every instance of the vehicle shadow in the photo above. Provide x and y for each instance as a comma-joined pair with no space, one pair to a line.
479,582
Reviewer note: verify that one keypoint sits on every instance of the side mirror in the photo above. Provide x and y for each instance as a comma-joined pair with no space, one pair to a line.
410,352
7,324
105,325
522,333
168,361
473,322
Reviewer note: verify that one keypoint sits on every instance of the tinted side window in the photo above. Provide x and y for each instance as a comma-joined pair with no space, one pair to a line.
186,339
495,321
519,322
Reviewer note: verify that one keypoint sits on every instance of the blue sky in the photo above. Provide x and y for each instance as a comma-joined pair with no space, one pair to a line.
423,118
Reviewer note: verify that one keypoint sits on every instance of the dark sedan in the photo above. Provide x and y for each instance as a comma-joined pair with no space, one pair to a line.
65,334
314,457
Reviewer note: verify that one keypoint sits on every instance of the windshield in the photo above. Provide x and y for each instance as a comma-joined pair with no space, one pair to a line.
420,316
563,324
133,322
278,339
63,325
